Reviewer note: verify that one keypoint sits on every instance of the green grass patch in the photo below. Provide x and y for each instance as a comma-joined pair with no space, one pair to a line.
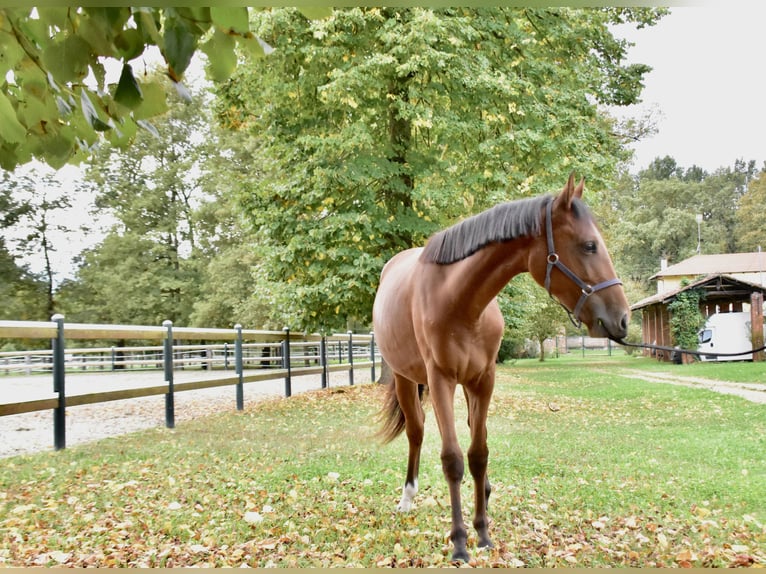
588,469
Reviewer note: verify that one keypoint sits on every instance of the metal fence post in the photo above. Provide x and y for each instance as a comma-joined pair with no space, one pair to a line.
239,368
286,362
167,359
350,358
59,369
372,356
323,360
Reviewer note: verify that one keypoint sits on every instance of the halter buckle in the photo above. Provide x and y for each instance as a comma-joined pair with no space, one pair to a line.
587,291
553,258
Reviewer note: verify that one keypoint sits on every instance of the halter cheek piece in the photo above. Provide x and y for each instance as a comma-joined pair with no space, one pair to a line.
554,261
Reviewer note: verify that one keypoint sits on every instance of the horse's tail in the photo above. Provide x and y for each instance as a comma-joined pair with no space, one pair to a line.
391,415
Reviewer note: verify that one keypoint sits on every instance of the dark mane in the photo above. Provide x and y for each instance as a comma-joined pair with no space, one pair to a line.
504,222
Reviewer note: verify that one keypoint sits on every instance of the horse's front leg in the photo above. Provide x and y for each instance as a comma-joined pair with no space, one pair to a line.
478,455
442,398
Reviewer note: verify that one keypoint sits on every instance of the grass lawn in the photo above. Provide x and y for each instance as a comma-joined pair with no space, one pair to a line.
588,469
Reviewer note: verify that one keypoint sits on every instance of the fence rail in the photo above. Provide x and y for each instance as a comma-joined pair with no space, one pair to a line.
269,354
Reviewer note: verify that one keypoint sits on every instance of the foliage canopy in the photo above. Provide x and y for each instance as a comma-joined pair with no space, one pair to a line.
56,101
373,127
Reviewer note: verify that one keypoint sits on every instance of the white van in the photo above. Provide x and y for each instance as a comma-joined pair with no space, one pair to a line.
726,333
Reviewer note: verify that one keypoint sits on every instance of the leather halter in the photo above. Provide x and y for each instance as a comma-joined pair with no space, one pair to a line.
554,261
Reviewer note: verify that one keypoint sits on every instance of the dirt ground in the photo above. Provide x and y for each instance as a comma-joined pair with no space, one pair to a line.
755,392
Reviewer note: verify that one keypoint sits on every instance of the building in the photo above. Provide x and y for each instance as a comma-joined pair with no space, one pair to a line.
732,282
750,267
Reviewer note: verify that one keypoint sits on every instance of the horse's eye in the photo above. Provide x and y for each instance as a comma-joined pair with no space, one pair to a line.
590,247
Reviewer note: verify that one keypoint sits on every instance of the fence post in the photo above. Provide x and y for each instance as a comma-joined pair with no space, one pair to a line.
372,356
286,362
226,355
59,368
167,359
238,367
350,358
323,360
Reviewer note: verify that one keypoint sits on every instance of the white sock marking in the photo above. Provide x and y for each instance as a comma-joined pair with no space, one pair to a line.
408,494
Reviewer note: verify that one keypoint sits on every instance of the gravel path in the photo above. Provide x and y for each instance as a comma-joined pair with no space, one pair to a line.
33,432
755,392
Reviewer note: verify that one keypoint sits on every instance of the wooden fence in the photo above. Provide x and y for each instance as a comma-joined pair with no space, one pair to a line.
271,355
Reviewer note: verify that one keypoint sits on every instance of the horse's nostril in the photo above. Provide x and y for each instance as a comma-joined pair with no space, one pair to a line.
624,322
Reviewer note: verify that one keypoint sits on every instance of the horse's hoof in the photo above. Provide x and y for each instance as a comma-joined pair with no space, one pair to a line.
404,507
486,544
460,556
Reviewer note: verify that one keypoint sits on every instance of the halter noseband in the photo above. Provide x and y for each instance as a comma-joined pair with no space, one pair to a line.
554,261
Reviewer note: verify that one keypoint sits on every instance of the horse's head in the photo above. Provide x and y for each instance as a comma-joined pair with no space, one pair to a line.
571,261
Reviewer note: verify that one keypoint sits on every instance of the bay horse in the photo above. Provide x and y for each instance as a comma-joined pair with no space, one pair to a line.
438,325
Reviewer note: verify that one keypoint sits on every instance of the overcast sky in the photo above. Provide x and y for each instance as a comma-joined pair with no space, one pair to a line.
708,83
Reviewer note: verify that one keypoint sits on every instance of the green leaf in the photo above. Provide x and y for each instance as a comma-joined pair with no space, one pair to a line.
129,43
147,24
10,53
255,47
154,102
316,12
57,150
183,92
12,131
128,91
221,57
231,19
68,60
123,133
97,32
53,16
180,45
150,128
91,114
34,112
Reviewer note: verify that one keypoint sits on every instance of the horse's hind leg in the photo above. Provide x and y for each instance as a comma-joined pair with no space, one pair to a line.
408,395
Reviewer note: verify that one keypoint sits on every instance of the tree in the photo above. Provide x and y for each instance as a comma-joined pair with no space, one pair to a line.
542,318
56,102
233,289
748,228
20,291
376,126
148,268
653,216
120,282
39,195
661,168
23,294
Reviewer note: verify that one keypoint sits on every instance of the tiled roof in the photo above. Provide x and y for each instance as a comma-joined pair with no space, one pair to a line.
720,263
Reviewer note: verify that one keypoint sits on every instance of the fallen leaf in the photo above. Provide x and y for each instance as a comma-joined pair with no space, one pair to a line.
253,517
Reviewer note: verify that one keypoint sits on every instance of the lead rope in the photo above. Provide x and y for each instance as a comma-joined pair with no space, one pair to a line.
687,351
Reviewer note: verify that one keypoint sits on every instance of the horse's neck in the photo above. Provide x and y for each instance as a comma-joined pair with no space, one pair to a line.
475,281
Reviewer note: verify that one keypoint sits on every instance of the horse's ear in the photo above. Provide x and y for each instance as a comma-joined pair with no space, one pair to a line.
571,191
580,186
